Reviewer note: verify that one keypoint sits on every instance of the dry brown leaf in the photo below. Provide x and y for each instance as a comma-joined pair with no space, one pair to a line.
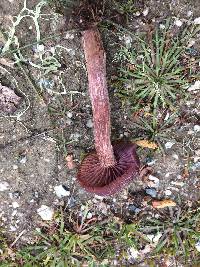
9,101
70,163
160,204
147,144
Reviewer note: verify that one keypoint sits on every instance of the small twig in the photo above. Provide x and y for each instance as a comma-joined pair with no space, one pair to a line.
19,236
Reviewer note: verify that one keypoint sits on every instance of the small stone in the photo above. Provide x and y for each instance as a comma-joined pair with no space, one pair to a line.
69,115
196,159
15,167
133,209
15,205
137,14
103,208
126,134
40,48
162,26
197,21
197,246
23,160
75,136
36,194
175,156
89,215
14,213
197,128
133,253
151,162
154,238
69,36
151,191
99,197
168,192
145,11
146,249
178,23
195,86
178,183
196,166
13,228
16,194
169,145
46,213
69,121
61,191
189,13
128,39
71,202
191,43
4,186
89,123
70,162
154,179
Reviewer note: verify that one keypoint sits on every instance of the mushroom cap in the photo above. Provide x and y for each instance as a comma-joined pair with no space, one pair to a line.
101,180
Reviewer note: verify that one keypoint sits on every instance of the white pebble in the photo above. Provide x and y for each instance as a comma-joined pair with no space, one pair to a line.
133,253
154,179
154,238
178,183
23,160
15,205
40,48
14,213
46,213
178,23
69,36
168,192
195,86
60,191
197,128
197,246
69,115
137,14
191,43
15,167
169,145
75,136
150,163
128,39
13,228
145,11
89,123
175,156
197,20
4,186
189,14
162,26
89,215
69,121
99,197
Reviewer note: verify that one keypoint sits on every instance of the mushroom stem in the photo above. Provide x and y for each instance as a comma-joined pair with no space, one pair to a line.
96,68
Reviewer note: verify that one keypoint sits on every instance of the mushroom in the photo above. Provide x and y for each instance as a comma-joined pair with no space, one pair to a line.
106,170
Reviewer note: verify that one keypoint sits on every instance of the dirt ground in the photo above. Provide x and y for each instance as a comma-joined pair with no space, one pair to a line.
33,148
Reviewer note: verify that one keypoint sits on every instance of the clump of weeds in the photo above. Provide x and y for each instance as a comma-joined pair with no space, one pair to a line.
154,76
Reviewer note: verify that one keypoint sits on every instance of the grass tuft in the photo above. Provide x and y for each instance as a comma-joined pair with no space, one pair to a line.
155,74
